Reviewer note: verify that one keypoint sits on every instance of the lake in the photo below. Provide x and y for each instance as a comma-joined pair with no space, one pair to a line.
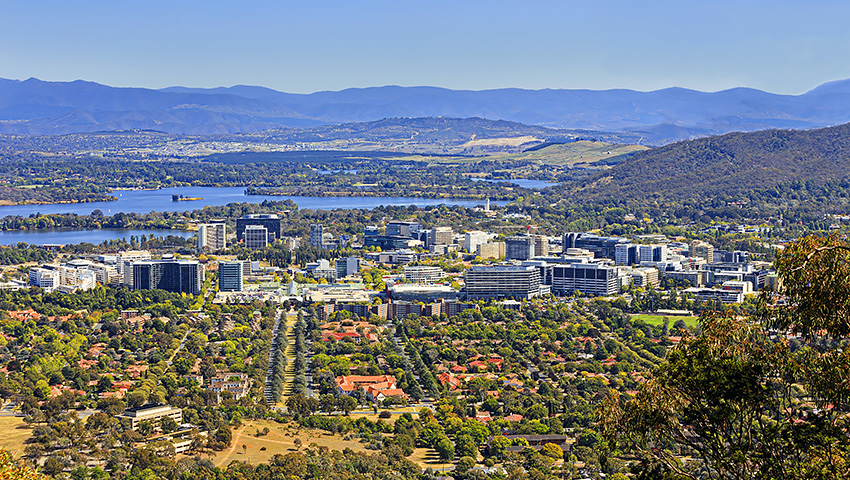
146,201
65,236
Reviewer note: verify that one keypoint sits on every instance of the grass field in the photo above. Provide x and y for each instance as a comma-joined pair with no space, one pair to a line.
13,433
690,321
280,440
581,152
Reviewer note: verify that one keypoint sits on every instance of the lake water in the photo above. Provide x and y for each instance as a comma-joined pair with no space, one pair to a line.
64,236
146,201
520,182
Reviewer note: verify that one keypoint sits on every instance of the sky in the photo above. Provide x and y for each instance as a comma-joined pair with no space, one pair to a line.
306,46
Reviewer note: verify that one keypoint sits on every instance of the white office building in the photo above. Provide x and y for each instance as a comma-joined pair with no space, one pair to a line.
471,240
212,236
423,274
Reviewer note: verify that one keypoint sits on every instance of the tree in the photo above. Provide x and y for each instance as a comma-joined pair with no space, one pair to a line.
168,425
224,435
346,404
464,465
445,449
552,451
739,398
145,427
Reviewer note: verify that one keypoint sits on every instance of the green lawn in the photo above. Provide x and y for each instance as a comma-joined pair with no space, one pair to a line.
690,321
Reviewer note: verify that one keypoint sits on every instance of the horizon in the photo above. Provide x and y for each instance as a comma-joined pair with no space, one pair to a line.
782,47
672,87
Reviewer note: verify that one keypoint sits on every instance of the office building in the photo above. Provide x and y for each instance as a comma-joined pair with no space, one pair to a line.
421,293
212,236
387,242
403,229
587,278
652,253
153,414
602,247
626,254
347,266
541,246
179,276
715,294
503,281
230,276
46,278
491,251
702,250
256,237
317,232
423,274
471,240
270,221
737,256
124,264
520,247
440,236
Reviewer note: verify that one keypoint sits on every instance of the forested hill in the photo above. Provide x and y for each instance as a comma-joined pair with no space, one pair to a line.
724,166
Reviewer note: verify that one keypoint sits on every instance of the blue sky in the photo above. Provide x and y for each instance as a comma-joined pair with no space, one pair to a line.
778,46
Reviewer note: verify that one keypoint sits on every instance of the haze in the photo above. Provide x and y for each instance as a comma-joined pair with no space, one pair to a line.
777,46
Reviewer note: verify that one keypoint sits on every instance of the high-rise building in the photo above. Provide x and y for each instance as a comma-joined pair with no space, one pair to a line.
270,221
440,236
520,247
230,275
403,229
541,246
471,240
653,253
316,235
491,251
212,236
124,263
502,281
347,266
179,276
256,237
626,254
590,278
702,250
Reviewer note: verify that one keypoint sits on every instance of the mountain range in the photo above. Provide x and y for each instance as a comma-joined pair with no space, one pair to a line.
658,117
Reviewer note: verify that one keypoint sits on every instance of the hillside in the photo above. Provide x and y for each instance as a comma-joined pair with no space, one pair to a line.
653,118
728,165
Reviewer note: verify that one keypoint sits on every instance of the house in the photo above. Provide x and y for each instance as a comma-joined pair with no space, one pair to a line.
236,383
25,315
376,387
452,381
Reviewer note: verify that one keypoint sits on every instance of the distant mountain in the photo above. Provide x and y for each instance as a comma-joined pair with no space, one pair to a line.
723,166
659,117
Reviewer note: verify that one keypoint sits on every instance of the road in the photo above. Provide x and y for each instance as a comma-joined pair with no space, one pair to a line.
179,347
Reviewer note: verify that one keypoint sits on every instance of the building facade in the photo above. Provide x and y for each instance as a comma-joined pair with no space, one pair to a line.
503,281
270,221
588,278
230,276
212,236
179,276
